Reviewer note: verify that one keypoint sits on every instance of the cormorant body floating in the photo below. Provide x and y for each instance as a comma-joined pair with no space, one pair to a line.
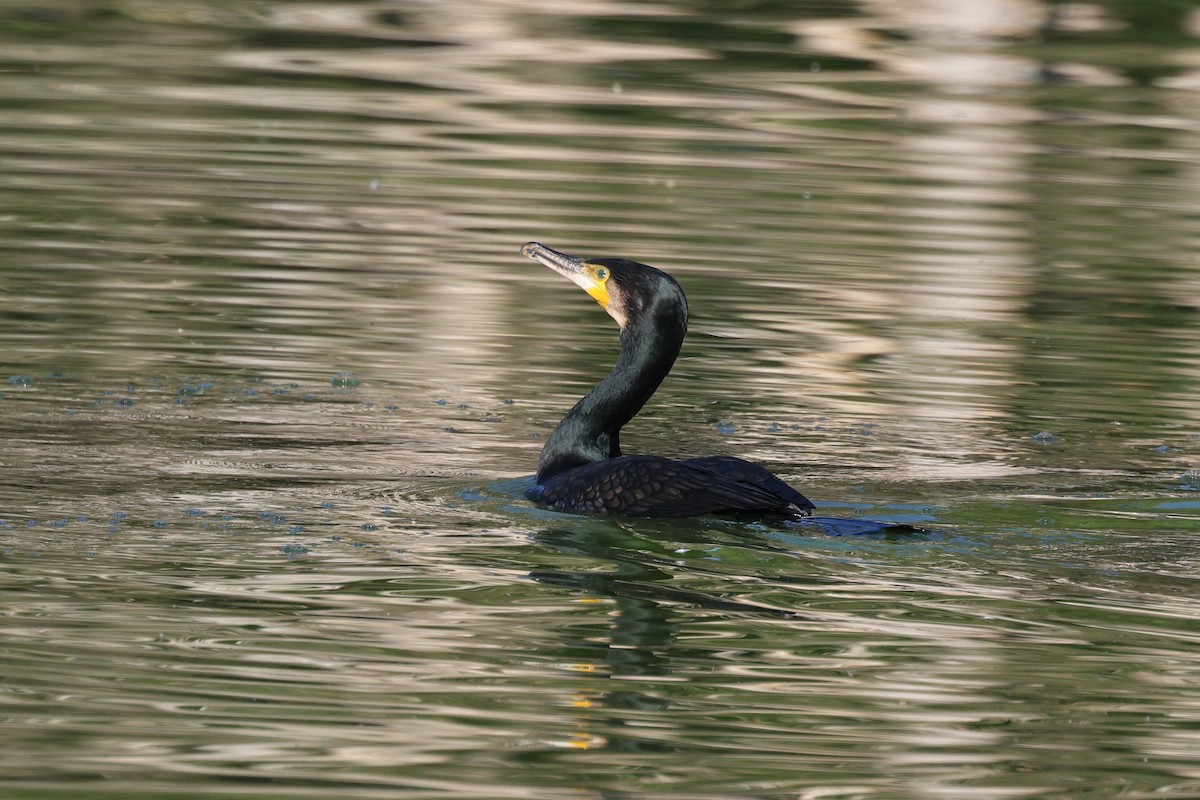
581,467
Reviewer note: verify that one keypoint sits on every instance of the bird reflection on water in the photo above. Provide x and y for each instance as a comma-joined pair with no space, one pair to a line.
648,633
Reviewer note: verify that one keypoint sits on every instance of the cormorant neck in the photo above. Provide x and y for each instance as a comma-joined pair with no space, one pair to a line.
591,430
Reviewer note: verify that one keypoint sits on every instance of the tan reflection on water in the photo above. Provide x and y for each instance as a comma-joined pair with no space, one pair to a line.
483,157
913,234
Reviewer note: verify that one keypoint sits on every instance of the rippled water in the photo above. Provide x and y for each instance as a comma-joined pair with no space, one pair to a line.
273,377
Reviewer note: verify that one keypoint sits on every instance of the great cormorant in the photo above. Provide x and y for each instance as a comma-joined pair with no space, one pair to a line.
581,467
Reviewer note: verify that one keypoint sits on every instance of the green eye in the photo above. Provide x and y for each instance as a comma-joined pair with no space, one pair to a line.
602,274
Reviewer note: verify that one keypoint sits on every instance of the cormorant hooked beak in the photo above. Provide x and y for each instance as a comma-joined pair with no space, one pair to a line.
592,278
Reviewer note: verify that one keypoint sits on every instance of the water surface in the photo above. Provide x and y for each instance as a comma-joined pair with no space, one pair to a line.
273,378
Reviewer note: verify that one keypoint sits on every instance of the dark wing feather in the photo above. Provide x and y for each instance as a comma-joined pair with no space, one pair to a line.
651,486
743,471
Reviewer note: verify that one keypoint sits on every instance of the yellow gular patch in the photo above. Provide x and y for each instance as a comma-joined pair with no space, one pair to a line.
598,285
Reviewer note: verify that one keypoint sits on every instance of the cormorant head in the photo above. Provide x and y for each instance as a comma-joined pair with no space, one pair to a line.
630,292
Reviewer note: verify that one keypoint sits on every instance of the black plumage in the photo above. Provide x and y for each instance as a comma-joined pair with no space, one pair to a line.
581,467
